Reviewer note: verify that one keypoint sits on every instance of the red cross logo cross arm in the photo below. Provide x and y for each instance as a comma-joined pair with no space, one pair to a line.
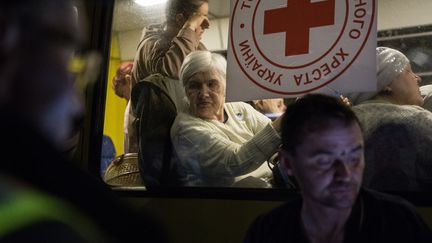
296,20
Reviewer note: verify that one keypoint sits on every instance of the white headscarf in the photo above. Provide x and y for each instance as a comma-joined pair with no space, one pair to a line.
390,64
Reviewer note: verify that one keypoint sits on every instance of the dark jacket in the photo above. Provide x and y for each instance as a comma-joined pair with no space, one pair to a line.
28,157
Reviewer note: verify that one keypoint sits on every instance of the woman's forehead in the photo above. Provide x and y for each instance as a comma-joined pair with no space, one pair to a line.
204,76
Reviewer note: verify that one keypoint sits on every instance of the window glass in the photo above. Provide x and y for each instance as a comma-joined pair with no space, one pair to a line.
402,26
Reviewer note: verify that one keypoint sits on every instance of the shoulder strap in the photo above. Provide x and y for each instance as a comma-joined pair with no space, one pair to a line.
155,112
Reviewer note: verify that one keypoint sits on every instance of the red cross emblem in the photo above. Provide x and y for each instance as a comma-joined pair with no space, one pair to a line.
293,47
296,20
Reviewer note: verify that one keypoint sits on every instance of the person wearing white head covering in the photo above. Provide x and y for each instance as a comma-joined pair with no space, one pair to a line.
396,82
397,131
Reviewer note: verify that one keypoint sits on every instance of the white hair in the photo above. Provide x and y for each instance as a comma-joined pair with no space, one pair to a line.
202,61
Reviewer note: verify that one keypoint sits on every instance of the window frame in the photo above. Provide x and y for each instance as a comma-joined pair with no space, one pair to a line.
100,17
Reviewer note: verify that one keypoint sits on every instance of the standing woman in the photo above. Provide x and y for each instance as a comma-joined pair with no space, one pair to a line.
163,47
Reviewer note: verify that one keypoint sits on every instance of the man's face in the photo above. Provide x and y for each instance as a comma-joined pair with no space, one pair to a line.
328,165
206,94
48,96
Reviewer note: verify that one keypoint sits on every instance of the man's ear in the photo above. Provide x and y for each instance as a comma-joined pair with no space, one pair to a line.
9,34
286,159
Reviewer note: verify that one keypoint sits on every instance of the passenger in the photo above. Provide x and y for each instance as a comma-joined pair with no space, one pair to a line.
322,147
38,104
122,169
219,143
398,133
121,84
162,49
396,82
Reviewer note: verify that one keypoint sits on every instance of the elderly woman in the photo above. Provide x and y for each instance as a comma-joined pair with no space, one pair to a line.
396,82
398,132
219,143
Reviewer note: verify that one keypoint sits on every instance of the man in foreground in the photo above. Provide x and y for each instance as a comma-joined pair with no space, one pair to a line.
38,104
323,149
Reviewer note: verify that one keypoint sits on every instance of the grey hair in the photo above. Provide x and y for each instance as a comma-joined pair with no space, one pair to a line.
202,61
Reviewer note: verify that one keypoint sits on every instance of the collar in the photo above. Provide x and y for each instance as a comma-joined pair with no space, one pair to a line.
355,223
225,116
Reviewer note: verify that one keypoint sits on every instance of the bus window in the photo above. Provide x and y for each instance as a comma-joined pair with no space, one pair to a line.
401,26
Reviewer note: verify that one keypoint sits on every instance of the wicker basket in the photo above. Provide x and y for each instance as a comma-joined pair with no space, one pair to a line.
124,171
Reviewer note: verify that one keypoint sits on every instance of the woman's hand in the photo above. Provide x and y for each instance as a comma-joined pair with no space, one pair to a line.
197,22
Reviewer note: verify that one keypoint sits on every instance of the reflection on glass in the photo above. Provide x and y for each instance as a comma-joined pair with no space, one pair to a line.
130,19
415,43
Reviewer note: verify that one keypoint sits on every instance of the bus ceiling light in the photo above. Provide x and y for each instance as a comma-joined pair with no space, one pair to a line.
147,3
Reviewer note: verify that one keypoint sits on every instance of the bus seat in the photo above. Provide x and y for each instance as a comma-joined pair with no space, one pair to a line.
390,158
